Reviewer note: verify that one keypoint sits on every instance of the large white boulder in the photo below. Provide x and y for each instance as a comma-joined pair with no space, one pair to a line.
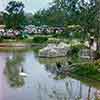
92,47
48,53
62,45
54,51
51,46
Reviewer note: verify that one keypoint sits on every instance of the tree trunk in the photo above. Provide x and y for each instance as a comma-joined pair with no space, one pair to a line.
97,23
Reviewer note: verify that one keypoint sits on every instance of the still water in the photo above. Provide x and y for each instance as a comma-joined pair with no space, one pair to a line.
38,81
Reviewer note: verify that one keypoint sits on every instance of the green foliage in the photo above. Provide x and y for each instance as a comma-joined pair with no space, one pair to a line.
56,15
77,35
61,35
40,39
1,39
22,36
14,16
88,70
12,71
1,18
53,40
74,51
69,12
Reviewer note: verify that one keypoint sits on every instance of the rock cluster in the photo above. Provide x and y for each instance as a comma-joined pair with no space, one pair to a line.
53,50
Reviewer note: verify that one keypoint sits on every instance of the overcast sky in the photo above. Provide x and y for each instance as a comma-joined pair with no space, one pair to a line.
30,5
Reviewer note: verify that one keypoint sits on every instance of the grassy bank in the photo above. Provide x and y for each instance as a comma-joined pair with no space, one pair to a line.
90,70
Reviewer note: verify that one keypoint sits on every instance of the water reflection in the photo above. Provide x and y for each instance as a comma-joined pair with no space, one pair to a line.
40,83
50,61
2,65
75,90
13,69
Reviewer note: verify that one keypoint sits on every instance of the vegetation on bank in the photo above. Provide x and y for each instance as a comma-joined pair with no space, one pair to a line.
40,39
83,69
12,71
87,70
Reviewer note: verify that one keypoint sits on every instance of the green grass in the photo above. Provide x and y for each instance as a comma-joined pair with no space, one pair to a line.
89,70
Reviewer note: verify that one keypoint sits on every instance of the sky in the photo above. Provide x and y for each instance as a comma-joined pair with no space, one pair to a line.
31,6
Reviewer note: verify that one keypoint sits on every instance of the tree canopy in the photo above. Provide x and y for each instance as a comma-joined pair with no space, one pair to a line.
14,15
68,12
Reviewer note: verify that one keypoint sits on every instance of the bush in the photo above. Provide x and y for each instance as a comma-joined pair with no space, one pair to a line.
22,36
1,39
53,40
40,39
8,37
87,70
61,35
56,35
74,51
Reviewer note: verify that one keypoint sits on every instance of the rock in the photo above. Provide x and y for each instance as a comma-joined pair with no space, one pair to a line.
54,51
48,52
52,46
86,44
98,94
93,46
62,45
62,48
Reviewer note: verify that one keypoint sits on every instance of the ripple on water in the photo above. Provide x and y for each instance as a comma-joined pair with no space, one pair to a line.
39,84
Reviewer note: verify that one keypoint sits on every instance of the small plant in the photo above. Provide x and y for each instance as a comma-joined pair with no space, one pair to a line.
74,51
1,39
87,70
40,39
61,35
22,35
53,40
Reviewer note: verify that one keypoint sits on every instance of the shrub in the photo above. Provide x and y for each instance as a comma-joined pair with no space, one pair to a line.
40,39
74,51
1,39
22,35
56,35
8,37
53,40
87,70
61,35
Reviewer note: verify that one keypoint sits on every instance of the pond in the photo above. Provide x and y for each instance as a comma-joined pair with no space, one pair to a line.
23,76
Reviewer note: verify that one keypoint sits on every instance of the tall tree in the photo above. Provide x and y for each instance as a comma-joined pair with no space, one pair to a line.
97,27
1,18
14,15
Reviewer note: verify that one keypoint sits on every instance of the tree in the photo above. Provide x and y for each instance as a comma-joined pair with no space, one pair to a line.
1,18
58,12
97,27
13,69
70,12
14,15
87,16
